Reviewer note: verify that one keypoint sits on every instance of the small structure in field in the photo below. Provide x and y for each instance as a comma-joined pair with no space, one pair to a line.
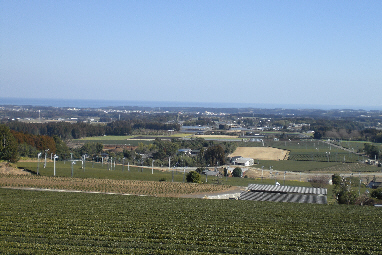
240,161
277,193
374,185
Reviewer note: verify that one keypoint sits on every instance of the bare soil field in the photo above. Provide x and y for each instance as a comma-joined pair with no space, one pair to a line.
261,153
279,175
217,136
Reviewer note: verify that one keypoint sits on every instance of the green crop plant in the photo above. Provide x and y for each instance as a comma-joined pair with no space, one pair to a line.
33,222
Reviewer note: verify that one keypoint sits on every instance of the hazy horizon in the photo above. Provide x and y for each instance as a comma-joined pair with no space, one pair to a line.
96,103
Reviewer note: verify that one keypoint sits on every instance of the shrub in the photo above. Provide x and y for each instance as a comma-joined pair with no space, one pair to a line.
347,197
319,181
193,177
377,193
364,200
237,172
199,170
336,179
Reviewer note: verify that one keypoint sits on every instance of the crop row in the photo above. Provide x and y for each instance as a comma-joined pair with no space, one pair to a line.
334,157
149,188
67,223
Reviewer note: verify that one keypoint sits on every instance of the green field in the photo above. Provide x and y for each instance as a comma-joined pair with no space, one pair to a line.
99,171
313,166
125,140
357,145
115,142
33,222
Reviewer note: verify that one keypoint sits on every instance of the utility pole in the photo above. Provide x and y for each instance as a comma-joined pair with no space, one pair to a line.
38,162
54,164
72,167
84,162
45,157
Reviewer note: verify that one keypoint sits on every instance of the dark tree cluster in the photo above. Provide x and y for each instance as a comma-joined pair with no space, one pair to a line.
8,145
343,189
66,130
372,135
40,142
371,150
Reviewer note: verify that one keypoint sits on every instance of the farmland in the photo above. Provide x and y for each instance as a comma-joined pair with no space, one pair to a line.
99,171
261,153
131,187
131,209
69,223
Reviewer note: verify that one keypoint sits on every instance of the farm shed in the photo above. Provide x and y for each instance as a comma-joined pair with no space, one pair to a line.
244,161
273,193
233,159
211,173
374,185
185,151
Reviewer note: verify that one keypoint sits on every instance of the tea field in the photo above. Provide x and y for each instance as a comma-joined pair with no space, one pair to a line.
101,171
33,222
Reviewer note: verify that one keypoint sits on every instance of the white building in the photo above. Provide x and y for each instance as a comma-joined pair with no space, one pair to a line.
244,162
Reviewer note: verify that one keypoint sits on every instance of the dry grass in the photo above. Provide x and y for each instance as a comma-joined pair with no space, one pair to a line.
148,188
6,168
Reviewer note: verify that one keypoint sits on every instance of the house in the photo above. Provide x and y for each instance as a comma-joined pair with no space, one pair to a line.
244,162
185,151
195,152
374,185
195,129
233,159
211,173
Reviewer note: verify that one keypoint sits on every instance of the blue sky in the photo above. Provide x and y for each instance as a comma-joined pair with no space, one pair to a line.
262,52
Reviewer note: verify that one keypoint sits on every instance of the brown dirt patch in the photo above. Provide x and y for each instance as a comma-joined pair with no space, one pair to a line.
6,168
216,136
278,175
261,153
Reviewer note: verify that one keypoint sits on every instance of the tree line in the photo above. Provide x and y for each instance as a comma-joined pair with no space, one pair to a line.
209,153
368,134
66,130
16,144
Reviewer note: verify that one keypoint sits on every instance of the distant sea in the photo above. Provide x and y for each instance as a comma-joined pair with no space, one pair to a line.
87,103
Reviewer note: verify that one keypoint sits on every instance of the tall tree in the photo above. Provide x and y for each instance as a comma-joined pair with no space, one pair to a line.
8,145
61,148
215,155
371,150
